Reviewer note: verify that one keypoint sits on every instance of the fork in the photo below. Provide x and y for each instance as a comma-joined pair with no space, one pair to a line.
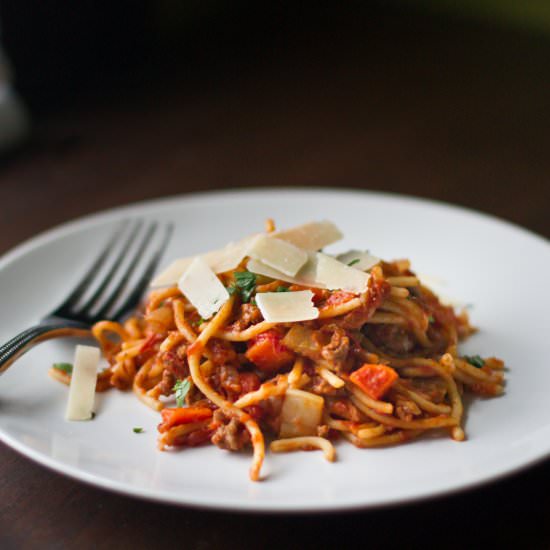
72,319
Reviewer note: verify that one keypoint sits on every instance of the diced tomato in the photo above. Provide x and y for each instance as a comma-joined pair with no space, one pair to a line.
268,352
375,380
250,381
339,297
182,415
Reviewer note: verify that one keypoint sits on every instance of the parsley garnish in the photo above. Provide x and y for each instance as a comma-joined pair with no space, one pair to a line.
474,360
181,389
232,290
353,262
282,289
245,282
138,430
65,367
431,319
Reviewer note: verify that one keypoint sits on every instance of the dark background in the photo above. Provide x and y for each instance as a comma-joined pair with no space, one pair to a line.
134,100
156,98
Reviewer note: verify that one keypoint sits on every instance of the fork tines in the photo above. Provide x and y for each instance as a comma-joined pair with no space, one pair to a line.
118,277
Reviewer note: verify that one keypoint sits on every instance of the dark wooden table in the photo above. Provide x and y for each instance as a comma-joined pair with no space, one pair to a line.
458,112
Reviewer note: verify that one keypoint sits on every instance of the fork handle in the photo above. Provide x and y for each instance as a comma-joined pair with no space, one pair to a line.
18,345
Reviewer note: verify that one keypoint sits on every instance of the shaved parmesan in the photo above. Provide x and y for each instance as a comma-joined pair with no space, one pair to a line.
358,259
278,254
220,261
301,413
287,307
311,236
336,275
202,288
306,275
83,380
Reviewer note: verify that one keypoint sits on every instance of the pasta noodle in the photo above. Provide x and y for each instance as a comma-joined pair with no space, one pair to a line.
375,368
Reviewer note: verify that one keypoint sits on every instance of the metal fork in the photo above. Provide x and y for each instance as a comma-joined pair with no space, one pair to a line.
72,319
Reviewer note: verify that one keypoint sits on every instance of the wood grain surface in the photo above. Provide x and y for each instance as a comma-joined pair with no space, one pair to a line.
457,112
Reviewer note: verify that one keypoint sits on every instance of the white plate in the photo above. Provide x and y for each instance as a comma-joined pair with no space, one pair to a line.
499,268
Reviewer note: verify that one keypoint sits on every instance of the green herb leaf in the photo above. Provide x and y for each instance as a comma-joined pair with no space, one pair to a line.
138,430
181,389
232,289
474,360
65,367
353,262
282,289
246,282
431,319
245,278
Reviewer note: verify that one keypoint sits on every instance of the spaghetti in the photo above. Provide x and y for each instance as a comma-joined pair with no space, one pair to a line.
376,368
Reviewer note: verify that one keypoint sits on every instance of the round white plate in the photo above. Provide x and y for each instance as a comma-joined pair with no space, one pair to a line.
500,269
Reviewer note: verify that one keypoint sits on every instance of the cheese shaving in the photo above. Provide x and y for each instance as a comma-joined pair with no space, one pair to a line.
287,307
306,276
335,275
83,381
278,254
311,236
203,289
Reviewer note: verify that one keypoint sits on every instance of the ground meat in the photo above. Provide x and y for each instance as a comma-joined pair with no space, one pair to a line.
336,351
272,413
230,434
175,361
222,351
249,315
230,380
392,338
167,382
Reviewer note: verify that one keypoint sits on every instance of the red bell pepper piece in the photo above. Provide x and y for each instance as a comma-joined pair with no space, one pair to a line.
182,415
268,352
374,379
